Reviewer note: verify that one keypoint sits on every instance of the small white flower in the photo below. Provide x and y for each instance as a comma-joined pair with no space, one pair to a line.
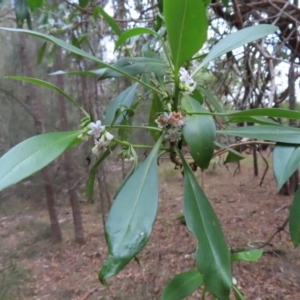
173,134
234,281
188,84
131,158
96,129
96,150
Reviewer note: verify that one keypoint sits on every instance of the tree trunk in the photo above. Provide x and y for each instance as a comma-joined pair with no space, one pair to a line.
68,161
38,125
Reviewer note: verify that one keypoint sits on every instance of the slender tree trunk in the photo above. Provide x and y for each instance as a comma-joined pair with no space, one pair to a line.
38,125
68,161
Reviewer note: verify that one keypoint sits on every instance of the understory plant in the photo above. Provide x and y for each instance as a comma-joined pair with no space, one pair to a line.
182,117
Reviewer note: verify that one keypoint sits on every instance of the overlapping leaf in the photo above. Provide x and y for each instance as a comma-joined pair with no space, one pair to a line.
130,220
212,256
294,219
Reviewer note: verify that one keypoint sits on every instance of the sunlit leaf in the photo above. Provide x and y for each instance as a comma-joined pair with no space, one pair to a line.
199,132
281,134
235,40
131,33
130,220
294,220
251,255
182,285
34,154
286,160
212,256
187,25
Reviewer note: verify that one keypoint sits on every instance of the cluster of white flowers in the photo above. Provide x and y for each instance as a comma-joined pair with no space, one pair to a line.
102,138
174,121
187,83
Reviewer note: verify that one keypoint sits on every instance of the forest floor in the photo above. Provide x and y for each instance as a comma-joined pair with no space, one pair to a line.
41,270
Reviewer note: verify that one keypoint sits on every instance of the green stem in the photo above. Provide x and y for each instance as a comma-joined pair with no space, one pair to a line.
126,144
136,127
176,93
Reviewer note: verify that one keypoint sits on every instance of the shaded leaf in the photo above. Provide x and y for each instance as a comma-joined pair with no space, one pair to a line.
182,285
155,110
83,3
125,98
93,172
130,220
34,154
187,25
212,256
286,160
134,66
257,120
41,53
199,132
294,219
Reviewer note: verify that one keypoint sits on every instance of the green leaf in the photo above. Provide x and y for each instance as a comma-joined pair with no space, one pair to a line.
125,98
130,220
22,13
41,53
108,19
78,51
251,255
237,294
182,285
281,134
83,3
286,160
212,256
34,4
187,25
50,87
133,32
257,120
34,154
134,66
93,172
199,132
232,156
156,109
294,220
235,40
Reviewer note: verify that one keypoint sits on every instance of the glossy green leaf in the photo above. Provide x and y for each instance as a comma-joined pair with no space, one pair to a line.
93,171
108,19
281,134
212,256
34,154
187,25
130,220
199,132
131,33
96,72
232,156
155,110
182,285
286,160
235,40
251,255
50,87
126,99
134,66
294,219
78,51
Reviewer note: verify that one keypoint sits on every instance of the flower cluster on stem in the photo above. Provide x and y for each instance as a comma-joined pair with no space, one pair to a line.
173,121
187,84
